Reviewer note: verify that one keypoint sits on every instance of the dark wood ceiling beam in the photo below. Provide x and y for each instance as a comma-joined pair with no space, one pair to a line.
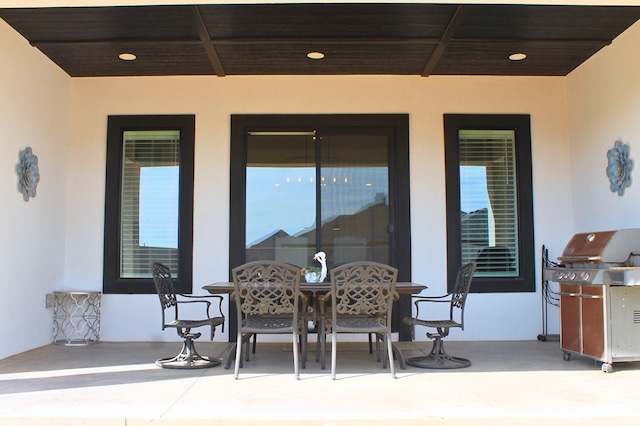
328,40
524,41
119,42
245,41
454,23
338,41
206,41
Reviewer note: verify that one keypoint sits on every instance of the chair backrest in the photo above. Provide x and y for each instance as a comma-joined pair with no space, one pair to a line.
363,288
266,288
164,287
460,292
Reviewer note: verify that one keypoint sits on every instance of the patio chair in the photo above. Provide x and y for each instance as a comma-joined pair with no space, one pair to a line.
267,296
438,357
361,295
169,300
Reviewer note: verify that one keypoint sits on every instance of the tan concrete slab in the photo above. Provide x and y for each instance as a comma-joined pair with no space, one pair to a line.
514,383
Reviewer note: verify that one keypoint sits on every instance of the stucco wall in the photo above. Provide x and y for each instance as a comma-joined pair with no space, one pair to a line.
604,105
34,105
214,99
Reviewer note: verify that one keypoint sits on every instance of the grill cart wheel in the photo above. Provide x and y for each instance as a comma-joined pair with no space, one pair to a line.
607,368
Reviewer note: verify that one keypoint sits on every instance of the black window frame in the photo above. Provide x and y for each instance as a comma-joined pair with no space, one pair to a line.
521,124
116,126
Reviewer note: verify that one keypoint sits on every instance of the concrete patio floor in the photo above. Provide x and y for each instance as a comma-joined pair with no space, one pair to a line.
508,383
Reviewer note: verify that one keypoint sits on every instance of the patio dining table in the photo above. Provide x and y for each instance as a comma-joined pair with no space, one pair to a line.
313,289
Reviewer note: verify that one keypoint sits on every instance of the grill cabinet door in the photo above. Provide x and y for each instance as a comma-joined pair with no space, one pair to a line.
570,317
592,321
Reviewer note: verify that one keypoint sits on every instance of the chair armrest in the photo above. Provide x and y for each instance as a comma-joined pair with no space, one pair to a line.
322,300
325,297
445,298
200,299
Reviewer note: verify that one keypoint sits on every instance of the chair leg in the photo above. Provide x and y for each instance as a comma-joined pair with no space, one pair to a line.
296,370
334,350
319,340
323,349
304,342
318,343
248,350
384,345
238,354
390,355
438,357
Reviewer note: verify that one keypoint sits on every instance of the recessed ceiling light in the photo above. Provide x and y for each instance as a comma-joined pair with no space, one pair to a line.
517,56
127,56
315,55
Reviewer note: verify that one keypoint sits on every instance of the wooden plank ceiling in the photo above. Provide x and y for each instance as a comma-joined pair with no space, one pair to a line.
270,39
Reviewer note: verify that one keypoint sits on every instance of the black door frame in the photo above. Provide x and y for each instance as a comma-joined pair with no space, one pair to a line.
397,125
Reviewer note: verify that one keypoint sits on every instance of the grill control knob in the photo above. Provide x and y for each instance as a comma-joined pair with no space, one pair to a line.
584,276
572,276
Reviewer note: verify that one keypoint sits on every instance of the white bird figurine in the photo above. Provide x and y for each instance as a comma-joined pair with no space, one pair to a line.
322,258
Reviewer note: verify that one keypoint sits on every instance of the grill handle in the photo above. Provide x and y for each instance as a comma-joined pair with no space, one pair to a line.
584,296
579,259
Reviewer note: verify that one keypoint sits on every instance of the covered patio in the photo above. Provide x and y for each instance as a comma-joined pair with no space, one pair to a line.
55,242
508,383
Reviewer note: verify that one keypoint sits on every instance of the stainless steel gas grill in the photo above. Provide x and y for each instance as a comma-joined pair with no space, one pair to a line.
599,277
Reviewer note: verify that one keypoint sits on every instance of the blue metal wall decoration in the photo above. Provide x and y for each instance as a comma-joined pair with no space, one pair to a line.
28,173
619,167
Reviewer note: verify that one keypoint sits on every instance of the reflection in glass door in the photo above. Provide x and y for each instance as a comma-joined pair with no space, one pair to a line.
344,189
354,188
281,197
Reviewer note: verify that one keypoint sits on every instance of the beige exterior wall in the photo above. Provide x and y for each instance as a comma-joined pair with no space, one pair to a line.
604,105
34,108
214,99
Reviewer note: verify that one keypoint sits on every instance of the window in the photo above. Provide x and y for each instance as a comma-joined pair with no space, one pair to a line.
148,201
489,200
336,183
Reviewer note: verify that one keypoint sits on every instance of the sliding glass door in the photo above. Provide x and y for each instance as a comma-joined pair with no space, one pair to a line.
310,191
334,183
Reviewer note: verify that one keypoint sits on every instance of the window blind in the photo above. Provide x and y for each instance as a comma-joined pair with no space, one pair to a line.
149,202
488,201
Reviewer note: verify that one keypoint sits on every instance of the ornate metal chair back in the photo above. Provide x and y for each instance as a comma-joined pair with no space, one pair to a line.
363,288
460,292
266,288
164,287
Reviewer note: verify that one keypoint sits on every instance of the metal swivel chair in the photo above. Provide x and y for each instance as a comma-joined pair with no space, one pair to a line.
438,357
188,356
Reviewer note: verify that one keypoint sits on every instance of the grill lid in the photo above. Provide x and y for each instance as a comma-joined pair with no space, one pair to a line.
602,246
